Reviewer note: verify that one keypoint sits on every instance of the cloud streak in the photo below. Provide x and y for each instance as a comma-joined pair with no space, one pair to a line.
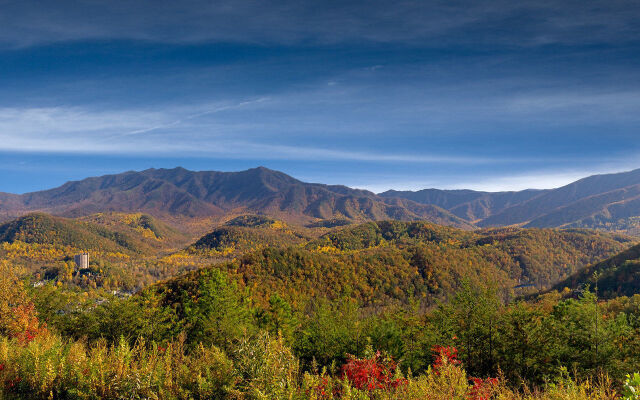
214,110
75,130
329,123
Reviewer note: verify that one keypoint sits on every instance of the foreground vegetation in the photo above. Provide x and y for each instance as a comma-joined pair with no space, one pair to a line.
260,368
214,342
385,310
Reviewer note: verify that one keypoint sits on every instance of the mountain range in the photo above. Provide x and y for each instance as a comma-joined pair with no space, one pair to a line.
608,202
179,192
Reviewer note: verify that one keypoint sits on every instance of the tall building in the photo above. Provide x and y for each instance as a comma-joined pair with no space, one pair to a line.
82,260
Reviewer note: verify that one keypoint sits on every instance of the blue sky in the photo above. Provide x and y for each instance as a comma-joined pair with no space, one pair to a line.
491,95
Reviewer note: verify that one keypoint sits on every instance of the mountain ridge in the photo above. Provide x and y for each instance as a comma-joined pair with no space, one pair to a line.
606,201
195,194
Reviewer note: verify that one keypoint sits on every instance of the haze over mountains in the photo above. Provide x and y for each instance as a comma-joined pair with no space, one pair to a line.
609,202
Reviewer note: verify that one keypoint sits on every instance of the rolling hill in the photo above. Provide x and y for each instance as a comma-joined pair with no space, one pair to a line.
45,229
247,233
140,231
125,233
387,262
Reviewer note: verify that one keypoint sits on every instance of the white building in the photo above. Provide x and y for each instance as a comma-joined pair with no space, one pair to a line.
82,260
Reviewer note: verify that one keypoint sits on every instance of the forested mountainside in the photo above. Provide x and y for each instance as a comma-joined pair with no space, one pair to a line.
128,233
607,202
43,229
239,239
384,261
613,277
389,262
125,249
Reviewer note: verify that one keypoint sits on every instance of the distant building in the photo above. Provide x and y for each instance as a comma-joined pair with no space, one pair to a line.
82,260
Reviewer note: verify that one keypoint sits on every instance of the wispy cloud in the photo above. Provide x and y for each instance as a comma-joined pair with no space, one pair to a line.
166,133
124,132
618,105
329,123
268,151
208,111
32,123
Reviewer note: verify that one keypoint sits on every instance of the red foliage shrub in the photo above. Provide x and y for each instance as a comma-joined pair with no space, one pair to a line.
445,355
482,389
372,373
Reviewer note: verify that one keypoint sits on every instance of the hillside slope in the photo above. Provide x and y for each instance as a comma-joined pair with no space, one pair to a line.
45,229
247,233
141,231
615,276
594,210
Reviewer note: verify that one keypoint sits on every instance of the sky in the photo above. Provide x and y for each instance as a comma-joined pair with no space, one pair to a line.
484,94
